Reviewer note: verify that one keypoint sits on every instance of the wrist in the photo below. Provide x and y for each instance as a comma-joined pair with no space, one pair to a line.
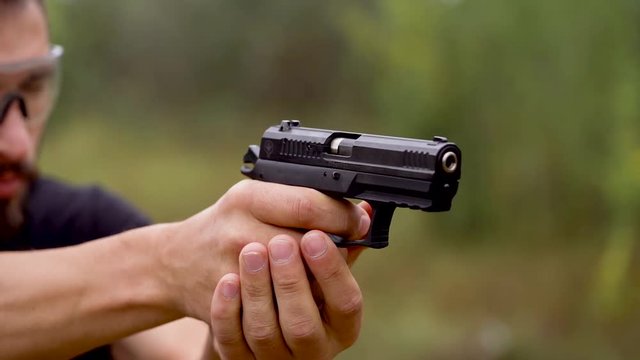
160,269
141,272
185,283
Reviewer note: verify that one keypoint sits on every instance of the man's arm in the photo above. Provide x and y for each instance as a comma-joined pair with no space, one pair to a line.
188,338
57,303
62,302
183,339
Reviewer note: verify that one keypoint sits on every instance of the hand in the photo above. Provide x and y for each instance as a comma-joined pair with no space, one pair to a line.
249,322
198,251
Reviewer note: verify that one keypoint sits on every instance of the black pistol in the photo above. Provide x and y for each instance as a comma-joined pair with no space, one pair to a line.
386,171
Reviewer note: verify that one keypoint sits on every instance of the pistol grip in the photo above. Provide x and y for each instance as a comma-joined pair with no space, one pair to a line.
378,235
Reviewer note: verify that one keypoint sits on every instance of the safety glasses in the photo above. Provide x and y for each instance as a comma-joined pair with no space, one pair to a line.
36,81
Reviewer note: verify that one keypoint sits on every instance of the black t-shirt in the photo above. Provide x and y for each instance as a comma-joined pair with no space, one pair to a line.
60,215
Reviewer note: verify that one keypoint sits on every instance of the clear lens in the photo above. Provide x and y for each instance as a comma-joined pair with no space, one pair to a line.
37,80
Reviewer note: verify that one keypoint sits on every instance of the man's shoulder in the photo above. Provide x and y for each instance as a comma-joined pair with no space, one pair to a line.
51,195
61,214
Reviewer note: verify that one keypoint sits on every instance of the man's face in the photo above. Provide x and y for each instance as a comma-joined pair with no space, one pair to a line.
24,42
23,37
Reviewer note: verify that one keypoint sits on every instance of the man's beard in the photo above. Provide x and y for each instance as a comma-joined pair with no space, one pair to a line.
12,211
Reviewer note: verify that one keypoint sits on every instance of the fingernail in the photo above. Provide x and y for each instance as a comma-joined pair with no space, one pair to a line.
280,250
314,245
254,261
229,290
365,223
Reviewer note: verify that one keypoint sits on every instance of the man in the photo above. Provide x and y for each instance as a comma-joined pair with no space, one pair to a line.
228,266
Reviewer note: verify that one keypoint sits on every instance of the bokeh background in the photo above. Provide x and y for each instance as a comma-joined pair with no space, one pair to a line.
538,258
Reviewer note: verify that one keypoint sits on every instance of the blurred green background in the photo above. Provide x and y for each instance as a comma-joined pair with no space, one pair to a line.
539,257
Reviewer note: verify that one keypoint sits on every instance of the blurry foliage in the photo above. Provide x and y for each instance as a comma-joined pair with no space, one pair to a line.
538,257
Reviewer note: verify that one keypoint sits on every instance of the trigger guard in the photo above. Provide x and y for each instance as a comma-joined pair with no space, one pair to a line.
378,235
343,243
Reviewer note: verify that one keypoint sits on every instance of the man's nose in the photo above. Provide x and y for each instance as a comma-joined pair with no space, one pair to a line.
14,135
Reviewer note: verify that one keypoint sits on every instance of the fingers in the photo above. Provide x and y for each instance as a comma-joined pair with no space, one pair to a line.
343,299
259,319
303,208
366,207
300,320
294,327
353,252
226,323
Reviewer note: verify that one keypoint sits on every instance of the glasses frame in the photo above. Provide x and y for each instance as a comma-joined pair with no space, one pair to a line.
52,58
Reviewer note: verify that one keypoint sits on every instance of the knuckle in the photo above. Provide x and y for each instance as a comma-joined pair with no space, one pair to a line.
255,292
262,333
331,273
287,284
351,306
219,313
236,239
347,340
351,220
228,338
348,224
345,217
239,194
302,329
303,210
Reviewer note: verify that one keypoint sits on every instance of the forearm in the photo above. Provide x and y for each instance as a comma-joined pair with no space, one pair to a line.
64,301
183,339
